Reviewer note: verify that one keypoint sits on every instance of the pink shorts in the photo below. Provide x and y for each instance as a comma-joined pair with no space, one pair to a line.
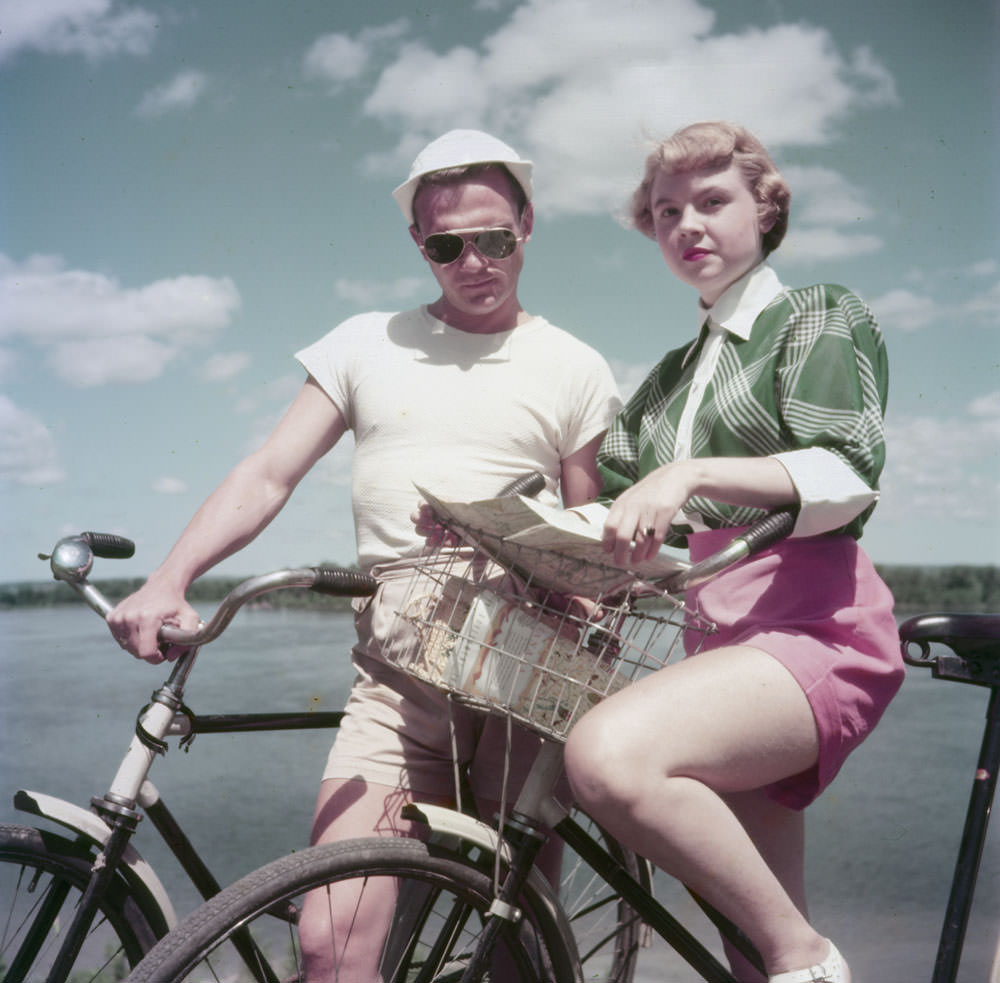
402,733
817,606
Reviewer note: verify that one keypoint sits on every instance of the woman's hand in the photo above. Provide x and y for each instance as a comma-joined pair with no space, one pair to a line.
136,621
640,517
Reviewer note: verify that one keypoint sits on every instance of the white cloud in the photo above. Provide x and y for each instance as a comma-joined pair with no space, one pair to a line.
339,58
375,293
809,244
985,267
96,331
941,467
92,28
336,58
584,108
985,410
985,305
97,361
169,486
904,310
225,365
28,454
828,217
179,93
821,196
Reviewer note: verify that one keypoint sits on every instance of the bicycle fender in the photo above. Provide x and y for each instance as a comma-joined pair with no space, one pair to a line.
449,828
84,823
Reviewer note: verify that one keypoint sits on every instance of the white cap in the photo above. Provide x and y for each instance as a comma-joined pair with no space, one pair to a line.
456,149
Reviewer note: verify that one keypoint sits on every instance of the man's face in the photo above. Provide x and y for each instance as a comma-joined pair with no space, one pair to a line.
477,293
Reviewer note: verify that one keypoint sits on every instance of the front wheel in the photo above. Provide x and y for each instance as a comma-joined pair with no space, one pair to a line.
390,909
42,878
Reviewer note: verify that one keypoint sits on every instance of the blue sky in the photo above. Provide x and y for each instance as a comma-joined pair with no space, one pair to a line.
193,191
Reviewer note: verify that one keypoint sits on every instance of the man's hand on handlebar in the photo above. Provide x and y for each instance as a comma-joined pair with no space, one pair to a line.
136,621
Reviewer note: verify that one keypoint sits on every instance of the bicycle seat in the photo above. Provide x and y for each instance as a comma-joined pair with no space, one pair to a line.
974,639
965,634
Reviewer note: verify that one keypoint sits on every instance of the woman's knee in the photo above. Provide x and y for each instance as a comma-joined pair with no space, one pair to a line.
599,767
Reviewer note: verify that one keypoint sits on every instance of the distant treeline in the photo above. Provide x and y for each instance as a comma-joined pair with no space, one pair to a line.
953,588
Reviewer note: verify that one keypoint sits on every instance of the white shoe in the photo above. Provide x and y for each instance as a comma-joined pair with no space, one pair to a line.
833,969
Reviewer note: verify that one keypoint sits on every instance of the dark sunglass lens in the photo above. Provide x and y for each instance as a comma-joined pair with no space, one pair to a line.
496,243
443,247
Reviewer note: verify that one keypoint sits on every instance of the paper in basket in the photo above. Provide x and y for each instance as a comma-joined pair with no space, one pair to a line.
498,650
544,668
508,655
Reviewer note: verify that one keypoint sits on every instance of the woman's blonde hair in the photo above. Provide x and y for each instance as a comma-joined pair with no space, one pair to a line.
718,144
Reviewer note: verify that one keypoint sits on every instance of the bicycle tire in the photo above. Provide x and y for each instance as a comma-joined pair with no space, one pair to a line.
38,898
453,892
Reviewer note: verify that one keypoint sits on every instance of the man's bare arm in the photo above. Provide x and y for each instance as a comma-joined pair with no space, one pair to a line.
580,481
232,516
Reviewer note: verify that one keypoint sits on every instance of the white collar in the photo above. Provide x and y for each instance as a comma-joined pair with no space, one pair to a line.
741,302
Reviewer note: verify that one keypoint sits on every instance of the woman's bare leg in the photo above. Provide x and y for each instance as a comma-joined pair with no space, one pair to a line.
654,763
779,835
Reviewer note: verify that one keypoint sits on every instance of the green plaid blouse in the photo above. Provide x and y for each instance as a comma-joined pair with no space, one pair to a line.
813,373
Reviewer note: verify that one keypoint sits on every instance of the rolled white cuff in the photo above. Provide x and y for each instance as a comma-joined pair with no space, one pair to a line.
830,493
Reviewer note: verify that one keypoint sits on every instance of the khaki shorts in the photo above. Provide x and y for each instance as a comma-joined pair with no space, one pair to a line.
402,733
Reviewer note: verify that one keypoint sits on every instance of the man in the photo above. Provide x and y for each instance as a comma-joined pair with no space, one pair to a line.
460,396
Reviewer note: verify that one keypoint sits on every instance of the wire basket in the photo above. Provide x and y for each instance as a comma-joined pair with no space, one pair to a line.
499,637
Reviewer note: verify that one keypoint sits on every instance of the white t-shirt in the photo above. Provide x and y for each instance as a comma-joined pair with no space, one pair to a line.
457,413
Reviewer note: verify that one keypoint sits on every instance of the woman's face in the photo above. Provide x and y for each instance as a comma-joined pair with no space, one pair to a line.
708,227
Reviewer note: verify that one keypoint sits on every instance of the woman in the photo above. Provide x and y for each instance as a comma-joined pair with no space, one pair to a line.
706,766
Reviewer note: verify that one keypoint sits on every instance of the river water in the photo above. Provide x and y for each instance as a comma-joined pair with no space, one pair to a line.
882,839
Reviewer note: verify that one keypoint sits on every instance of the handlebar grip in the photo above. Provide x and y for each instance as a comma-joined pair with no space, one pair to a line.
763,533
338,582
528,485
770,529
109,546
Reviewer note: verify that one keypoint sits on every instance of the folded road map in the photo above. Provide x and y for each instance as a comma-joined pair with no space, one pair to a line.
562,546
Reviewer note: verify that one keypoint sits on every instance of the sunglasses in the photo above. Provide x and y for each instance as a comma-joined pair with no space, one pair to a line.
445,247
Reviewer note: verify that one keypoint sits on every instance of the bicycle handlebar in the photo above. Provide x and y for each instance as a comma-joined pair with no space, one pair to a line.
333,581
529,485
761,534
72,559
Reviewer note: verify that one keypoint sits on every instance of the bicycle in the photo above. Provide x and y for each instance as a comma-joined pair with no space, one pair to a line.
94,880
76,904
469,891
